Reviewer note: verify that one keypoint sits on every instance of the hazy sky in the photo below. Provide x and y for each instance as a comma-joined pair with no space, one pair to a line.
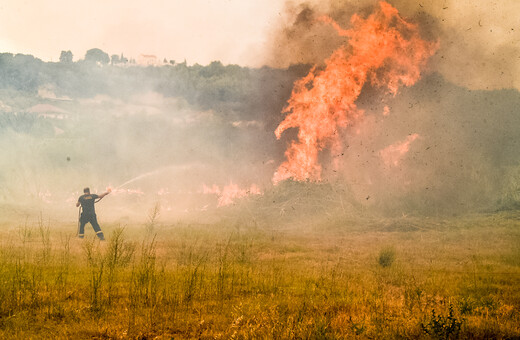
480,40
233,31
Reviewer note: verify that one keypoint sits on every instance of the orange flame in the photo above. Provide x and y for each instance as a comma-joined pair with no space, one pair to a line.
383,49
230,192
393,154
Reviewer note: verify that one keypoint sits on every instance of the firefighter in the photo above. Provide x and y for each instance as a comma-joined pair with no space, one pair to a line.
88,214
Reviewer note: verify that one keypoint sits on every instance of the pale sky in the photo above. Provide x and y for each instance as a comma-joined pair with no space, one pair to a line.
480,40
200,31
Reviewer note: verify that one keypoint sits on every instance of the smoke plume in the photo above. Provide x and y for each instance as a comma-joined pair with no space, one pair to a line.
480,41
443,144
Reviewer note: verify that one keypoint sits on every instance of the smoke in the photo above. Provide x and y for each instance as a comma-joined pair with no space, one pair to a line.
458,146
161,134
480,41
445,144
383,50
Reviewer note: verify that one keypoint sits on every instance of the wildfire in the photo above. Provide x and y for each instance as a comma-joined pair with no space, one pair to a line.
393,154
383,49
230,192
118,191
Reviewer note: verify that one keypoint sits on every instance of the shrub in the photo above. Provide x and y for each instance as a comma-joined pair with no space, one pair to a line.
443,327
386,257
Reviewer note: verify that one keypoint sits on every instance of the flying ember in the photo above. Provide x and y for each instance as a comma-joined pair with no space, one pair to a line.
384,50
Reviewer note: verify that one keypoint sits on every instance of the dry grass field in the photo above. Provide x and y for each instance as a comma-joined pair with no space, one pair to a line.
404,277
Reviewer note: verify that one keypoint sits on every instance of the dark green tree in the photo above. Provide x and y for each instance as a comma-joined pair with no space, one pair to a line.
66,57
114,59
95,55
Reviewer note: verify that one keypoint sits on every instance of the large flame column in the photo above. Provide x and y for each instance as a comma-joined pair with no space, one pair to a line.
383,49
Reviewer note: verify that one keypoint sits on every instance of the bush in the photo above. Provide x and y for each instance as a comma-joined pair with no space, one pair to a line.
386,257
443,327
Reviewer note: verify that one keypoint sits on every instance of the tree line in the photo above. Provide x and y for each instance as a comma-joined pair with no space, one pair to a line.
206,87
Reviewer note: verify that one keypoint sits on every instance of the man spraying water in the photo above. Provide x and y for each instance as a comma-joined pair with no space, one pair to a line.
88,215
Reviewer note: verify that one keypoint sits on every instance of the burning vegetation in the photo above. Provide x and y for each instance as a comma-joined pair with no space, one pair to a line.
370,117
351,215
382,49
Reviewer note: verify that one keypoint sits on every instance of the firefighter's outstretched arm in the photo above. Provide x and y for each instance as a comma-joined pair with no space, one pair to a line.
104,194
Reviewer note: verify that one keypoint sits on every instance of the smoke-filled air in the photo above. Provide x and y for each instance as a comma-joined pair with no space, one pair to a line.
354,175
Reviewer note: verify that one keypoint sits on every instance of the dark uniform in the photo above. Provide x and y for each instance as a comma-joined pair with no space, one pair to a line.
88,215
